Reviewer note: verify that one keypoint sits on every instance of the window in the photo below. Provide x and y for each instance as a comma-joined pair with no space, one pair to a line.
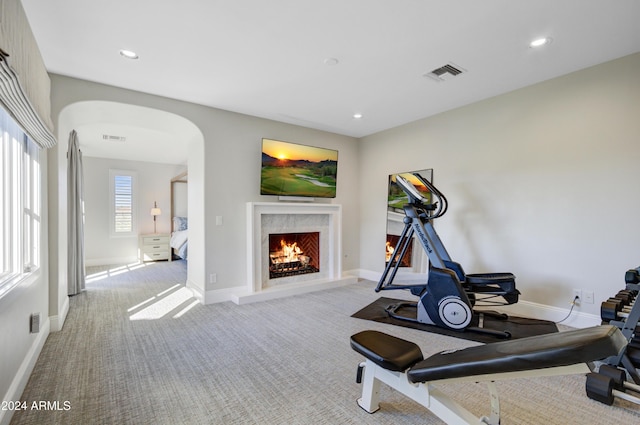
20,209
123,211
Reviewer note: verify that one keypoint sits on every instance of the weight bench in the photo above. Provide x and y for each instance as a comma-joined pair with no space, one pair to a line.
400,364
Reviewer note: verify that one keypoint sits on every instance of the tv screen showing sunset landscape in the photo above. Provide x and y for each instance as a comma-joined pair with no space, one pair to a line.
397,198
291,169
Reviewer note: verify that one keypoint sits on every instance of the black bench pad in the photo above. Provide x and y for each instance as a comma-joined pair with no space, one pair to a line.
386,351
537,352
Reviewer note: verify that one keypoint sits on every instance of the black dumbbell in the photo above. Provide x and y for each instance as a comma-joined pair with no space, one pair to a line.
633,354
612,311
624,307
619,378
617,300
601,388
634,342
632,276
626,297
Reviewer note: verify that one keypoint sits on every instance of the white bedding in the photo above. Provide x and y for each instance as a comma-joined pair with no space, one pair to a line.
179,242
178,239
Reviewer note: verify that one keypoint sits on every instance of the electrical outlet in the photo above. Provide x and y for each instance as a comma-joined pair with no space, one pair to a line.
588,297
213,278
577,293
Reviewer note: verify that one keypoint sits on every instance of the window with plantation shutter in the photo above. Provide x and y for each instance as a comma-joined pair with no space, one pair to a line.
123,200
123,212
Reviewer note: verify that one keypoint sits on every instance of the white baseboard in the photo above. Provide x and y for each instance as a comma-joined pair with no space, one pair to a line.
524,308
222,295
280,291
57,322
240,294
366,274
24,371
530,309
197,292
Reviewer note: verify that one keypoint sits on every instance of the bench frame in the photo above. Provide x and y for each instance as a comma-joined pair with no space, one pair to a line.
440,403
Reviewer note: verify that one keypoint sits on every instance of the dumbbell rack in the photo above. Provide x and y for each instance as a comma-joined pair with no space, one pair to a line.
624,312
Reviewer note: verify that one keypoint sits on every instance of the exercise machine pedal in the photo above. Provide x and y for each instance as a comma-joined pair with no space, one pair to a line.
395,311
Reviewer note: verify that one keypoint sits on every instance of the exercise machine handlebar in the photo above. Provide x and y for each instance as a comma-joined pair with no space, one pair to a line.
442,200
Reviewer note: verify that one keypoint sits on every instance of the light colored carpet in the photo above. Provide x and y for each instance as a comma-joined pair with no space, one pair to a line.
136,349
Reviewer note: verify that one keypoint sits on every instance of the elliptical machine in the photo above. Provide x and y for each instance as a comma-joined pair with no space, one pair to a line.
449,295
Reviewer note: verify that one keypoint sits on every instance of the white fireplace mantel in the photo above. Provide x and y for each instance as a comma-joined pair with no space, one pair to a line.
331,276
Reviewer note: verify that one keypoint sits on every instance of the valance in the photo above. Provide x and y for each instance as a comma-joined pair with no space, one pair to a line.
17,104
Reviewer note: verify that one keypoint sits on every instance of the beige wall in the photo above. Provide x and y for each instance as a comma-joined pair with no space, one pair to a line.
541,182
228,171
152,186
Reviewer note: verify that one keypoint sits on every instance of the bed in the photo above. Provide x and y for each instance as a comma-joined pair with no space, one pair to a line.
180,237
179,241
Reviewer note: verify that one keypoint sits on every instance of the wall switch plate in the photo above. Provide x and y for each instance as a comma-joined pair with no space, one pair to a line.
587,296
34,323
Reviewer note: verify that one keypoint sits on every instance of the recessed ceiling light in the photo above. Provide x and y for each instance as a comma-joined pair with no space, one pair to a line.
357,116
331,61
129,54
539,42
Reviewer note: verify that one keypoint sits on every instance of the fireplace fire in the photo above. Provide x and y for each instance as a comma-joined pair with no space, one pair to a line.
392,242
293,254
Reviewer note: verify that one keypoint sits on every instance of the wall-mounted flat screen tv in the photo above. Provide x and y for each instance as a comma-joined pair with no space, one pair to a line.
291,169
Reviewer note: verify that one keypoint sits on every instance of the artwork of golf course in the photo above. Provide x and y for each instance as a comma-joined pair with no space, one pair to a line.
290,169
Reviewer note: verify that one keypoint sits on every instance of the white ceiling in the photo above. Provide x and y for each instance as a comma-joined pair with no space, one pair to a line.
267,58
129,132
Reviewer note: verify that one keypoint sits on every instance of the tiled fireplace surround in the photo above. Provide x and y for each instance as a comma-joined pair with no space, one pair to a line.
264,218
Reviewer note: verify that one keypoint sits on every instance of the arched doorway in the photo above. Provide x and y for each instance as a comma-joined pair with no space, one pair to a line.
159,136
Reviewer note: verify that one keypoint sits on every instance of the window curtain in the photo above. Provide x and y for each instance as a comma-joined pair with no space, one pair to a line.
25,86
17,104
75,217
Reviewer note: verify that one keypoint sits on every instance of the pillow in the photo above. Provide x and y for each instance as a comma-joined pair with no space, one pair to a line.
179,223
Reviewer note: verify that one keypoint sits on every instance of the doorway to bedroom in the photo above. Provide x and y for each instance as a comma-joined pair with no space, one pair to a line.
121,142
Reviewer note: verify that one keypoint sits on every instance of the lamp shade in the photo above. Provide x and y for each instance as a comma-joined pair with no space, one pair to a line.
155,210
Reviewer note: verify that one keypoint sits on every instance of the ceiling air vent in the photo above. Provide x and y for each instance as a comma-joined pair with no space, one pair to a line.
112,138
445,72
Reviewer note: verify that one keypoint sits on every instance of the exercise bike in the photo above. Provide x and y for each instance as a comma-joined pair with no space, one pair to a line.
449,295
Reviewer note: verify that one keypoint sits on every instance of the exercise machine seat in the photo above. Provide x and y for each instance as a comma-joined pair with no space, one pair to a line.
386,351
490,278
537,352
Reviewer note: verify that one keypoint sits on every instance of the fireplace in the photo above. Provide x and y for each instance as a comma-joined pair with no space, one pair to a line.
266,218
292,254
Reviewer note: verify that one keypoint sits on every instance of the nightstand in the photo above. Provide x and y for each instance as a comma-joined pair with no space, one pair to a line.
155,247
